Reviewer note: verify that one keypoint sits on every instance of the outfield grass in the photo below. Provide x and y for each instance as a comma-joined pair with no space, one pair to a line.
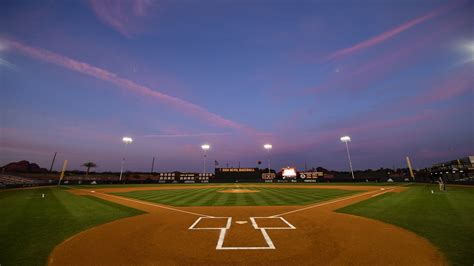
385,184
444,218
267,196
31,226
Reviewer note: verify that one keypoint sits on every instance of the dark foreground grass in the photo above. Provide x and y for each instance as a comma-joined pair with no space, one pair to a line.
31,226
212,197
444,218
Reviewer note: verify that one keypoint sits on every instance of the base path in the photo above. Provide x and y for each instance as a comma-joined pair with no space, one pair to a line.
293,235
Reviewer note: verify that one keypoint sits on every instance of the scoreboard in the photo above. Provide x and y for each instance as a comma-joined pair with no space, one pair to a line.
175,177
310,176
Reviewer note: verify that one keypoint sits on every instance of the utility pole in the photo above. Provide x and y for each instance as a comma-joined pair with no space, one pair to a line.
52,163
152,164
410,168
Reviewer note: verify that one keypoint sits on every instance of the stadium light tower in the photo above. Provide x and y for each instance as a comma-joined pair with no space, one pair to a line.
125,140
205,147
347,139
268,147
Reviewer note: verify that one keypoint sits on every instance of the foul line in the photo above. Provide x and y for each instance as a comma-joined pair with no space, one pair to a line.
325,203
144,203
381,193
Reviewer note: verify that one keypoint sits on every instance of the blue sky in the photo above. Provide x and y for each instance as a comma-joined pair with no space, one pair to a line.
77,76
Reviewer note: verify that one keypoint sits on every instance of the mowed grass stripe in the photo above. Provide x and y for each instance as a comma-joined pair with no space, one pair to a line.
219,200
189,198
160,196
193,201
265,199
278,198
183,198
31,226
444,217
206,199
213,197
289,195
293,196
255,200
180,197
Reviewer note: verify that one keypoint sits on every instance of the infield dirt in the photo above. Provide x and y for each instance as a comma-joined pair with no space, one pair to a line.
321,237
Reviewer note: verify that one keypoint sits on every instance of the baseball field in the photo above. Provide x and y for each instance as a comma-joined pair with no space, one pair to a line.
262,224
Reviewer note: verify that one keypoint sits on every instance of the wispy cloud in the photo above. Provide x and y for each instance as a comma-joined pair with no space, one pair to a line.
386,63
389,34
125,16
453,85
5,63
184,106
187,135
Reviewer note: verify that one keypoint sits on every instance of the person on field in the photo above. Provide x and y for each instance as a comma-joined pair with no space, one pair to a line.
441,183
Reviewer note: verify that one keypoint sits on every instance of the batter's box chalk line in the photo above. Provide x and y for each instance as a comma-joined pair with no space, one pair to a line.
228,224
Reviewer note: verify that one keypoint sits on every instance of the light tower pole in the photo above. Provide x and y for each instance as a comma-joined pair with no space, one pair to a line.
347,139
205,147
125,140
268,147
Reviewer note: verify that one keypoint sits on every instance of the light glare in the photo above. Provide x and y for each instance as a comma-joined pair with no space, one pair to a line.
289,172
205,147
267,146
127,139
345,139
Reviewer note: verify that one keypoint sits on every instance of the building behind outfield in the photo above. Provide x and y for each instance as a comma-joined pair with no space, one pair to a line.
461,169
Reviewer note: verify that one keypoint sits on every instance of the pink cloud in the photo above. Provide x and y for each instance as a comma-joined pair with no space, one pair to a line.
389,34
377,68
188,108
452,86
304,143
125,16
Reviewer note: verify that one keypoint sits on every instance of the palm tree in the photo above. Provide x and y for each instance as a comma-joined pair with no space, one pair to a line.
89,165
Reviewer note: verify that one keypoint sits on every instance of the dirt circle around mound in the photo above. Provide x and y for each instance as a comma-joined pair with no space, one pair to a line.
238,191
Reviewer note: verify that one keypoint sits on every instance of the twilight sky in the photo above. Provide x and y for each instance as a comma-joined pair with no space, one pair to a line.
77,76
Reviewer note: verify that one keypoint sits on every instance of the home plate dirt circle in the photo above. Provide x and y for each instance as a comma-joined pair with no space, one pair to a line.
238,190
215,235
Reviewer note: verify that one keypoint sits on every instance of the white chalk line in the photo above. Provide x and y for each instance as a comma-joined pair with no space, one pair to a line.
223,231
142,202
378,194
325,203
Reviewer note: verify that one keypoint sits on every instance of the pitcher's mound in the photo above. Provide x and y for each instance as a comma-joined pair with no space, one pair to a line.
238,190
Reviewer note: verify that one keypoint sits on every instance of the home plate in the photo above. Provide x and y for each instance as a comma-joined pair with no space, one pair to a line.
240,222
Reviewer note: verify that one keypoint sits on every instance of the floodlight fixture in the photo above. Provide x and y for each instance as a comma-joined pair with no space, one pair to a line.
127,140
346,139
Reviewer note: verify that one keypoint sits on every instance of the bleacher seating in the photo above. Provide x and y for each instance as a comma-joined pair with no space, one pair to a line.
10,180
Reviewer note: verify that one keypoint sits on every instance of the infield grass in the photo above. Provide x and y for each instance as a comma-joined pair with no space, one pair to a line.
31,226
265,196
446,218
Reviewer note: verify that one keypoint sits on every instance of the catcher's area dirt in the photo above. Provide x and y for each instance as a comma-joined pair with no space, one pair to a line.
321,237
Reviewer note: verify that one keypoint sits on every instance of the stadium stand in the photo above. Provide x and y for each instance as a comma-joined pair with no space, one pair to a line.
9,181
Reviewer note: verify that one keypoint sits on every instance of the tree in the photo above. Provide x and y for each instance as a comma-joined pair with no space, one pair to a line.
89,165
